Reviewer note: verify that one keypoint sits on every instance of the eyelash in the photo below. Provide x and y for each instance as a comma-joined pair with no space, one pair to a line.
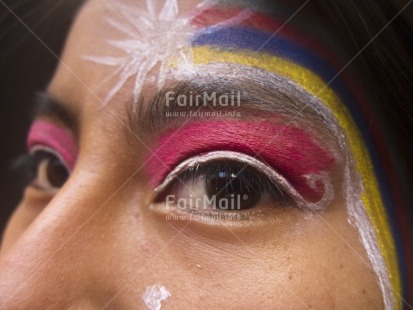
27,166
243,171
24,167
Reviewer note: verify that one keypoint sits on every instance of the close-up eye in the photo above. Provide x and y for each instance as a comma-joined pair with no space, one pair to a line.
216,182
46,170
226,185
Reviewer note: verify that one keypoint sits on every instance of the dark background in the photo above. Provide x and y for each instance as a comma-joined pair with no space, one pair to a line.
26,66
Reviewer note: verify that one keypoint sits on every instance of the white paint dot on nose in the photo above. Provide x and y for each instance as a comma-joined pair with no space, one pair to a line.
154,295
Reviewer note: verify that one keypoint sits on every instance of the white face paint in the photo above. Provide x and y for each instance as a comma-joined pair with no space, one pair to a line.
151,40
154,295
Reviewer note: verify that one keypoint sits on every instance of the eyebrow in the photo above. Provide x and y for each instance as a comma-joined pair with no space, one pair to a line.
48,106
258,101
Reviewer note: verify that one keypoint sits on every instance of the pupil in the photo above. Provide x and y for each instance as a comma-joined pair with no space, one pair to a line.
232,191
56,172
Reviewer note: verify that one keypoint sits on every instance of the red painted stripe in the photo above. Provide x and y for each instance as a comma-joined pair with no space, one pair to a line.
292,152
44,133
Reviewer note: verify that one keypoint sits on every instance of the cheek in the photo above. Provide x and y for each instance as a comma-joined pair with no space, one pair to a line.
24,214
16,225
303,262
293,261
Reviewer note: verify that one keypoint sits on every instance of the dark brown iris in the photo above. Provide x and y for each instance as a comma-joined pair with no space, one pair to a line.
56,172
233,190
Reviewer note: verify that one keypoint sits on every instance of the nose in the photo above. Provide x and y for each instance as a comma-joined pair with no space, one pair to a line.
60,260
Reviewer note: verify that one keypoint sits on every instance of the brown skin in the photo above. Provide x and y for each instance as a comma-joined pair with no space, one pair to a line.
97,242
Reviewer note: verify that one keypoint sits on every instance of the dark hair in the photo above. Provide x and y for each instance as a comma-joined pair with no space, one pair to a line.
383,30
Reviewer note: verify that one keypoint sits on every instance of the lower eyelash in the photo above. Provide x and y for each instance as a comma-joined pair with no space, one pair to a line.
267,171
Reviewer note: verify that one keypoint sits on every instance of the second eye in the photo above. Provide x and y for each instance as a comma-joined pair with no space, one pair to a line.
48,171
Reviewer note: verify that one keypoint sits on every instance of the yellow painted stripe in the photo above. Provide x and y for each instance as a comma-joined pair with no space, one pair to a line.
312,83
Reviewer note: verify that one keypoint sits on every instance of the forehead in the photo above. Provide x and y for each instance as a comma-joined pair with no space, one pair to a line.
100,22
114,42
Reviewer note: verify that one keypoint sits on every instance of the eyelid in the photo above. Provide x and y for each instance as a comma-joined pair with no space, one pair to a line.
47,149
290,151
261,167
47,135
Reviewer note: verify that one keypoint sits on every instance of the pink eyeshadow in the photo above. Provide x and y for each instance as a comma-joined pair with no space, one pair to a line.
48,134
292,152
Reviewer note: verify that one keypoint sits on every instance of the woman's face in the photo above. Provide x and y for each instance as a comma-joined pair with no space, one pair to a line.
107,238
